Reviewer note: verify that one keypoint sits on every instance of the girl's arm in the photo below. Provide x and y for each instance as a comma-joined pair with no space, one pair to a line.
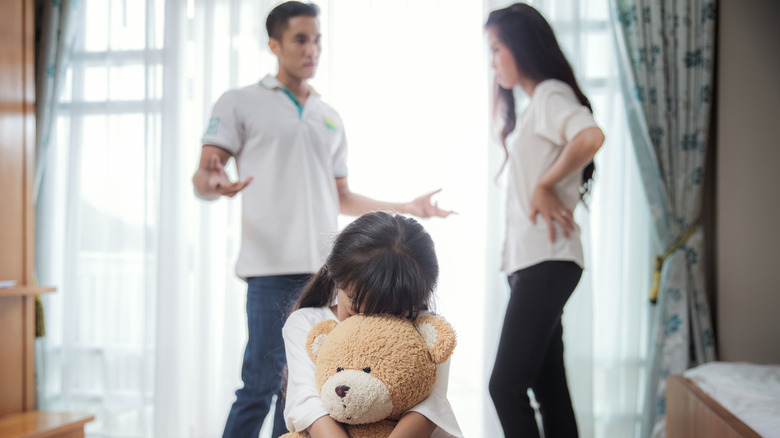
579,152
327,427
432,413
413,425
303,406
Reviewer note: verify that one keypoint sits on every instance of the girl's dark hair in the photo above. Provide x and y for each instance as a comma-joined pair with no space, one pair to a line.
279,18
387,262
525,32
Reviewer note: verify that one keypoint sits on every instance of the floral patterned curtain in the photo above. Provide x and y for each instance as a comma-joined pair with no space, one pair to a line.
54,41
668,49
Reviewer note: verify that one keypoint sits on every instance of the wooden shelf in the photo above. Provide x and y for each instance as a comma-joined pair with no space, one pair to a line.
24,291
18,417
38,424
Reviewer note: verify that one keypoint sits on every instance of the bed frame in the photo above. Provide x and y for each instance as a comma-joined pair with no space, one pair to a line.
691,413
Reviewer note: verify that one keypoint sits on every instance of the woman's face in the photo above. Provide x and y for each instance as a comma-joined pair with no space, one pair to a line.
503,62
344,306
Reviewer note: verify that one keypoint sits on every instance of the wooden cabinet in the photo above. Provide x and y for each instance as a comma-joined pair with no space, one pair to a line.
37,424
17,325
18,417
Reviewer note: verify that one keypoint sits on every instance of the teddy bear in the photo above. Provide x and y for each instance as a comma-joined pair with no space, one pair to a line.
370,370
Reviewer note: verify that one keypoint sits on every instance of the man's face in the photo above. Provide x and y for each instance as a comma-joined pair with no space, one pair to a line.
299,49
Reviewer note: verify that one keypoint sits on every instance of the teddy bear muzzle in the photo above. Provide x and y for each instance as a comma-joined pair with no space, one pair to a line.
355,397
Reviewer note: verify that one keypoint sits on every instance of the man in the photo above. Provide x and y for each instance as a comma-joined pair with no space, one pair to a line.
290,149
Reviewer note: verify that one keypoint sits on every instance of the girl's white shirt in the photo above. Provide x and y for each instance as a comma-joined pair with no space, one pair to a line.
552,118
303,404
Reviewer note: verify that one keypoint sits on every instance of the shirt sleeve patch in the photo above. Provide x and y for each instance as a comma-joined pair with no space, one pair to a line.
330,123
212,129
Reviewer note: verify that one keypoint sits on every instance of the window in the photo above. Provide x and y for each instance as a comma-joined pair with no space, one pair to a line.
105,168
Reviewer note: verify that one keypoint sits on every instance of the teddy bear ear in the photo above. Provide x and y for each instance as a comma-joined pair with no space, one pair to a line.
317,336
439,337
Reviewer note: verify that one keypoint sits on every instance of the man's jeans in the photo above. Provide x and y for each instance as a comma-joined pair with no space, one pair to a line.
268,303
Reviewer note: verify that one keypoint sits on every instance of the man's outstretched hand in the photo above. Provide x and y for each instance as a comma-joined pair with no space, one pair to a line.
423,207
218,179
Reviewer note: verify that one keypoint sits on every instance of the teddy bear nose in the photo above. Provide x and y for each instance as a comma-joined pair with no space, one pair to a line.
341,390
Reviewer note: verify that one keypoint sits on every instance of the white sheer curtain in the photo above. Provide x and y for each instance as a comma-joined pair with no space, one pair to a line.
148,328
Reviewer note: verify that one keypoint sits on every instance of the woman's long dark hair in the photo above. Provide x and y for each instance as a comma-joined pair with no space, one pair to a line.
387,262
525,32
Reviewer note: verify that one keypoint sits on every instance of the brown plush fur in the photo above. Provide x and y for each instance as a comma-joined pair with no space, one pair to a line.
371,369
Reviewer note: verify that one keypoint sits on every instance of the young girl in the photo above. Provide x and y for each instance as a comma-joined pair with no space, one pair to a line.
550,151
380,263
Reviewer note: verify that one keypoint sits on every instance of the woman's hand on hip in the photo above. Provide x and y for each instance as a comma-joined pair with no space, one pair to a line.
547,204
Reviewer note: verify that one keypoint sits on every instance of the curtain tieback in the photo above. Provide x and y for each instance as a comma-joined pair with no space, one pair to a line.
659,260
40,326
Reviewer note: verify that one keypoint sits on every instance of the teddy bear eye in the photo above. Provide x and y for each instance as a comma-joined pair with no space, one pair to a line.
339,369
367,369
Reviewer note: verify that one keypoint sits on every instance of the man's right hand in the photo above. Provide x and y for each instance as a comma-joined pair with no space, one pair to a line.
218,180
210,180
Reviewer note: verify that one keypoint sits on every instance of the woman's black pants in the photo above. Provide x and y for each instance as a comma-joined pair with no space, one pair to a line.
530,353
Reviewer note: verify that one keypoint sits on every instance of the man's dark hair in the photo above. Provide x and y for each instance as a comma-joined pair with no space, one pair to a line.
279,18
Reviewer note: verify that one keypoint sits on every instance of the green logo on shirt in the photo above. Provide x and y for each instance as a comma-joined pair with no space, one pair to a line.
330,124
213,123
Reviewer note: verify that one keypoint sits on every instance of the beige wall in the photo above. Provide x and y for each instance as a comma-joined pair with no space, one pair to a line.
748,181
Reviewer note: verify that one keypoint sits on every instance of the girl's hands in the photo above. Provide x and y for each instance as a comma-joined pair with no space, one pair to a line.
547,204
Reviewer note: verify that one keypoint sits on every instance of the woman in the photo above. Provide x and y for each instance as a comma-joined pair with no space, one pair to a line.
550,151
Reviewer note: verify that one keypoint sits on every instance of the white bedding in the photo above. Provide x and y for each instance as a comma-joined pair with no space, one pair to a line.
750,392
